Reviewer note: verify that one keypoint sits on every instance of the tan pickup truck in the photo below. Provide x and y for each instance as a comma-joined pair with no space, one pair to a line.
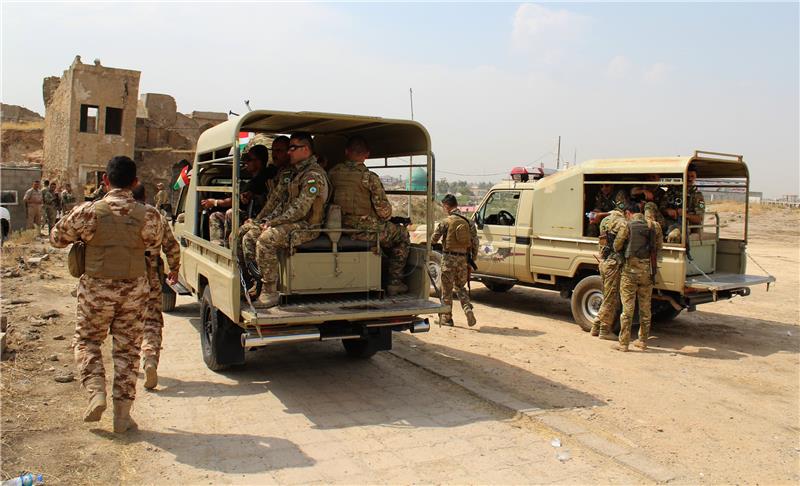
535,234
332,288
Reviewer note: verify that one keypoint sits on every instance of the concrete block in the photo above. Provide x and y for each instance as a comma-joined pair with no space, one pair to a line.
562,424
601,445
647,467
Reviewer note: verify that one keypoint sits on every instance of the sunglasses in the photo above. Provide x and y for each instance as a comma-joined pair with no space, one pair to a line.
292,148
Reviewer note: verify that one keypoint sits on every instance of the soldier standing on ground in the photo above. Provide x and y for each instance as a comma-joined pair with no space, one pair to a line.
153,317
68,200
637,239
33,200
298,220
360,194
112,292
610,269
459,237
51,205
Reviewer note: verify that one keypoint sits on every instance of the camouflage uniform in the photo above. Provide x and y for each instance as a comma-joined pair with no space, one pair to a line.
455,269
371,214
610,273
636,282
67,202
153,318
276,202
51,204
33,206
307,193
659,196
109,305
695,205
605,203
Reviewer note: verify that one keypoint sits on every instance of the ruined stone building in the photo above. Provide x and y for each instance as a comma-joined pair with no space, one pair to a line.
94,112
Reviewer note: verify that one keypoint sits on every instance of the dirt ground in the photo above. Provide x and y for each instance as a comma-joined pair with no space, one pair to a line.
716,399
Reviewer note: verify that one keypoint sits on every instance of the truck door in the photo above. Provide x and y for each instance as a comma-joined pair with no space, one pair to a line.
496,221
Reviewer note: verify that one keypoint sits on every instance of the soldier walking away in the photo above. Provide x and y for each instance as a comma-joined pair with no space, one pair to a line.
153,317
68,200
297,220
641,240
33,200
610,269
112,292
459,237
362,197
51,205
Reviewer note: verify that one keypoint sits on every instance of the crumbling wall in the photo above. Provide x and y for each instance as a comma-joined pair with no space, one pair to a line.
21,145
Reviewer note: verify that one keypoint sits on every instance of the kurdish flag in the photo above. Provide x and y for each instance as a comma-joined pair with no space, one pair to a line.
183,178
244,139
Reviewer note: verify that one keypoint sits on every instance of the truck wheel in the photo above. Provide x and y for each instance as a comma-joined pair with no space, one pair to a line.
586,300
379,339
168,298
498,287
220,338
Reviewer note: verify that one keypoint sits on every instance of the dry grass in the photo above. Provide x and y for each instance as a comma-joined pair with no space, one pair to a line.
25,126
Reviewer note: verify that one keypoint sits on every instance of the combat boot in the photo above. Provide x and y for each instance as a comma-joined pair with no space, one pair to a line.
608,335
267,300
642,345
97,399
446,320
620,347
595,328
396,289
470,317
150,373
122,416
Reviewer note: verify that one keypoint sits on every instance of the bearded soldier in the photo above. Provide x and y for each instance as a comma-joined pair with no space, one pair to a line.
297,220
610,268
112,292
460,243
641,240
360,194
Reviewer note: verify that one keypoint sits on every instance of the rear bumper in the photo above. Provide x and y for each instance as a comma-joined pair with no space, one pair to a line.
258,337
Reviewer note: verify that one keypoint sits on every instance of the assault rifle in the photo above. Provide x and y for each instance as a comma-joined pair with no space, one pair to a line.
653,255
400,220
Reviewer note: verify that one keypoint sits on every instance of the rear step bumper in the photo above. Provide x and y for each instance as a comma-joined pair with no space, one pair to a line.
254,339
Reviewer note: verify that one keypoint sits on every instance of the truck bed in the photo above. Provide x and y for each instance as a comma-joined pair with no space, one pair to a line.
341,309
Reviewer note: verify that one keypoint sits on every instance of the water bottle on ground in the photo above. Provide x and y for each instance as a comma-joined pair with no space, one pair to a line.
24,480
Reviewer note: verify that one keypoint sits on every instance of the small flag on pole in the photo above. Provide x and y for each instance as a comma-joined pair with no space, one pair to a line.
183,178
244,139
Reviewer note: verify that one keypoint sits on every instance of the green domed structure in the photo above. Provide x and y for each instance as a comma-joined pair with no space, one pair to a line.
419,179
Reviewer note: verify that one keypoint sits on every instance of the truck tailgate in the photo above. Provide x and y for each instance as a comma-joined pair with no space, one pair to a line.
726,281
341,310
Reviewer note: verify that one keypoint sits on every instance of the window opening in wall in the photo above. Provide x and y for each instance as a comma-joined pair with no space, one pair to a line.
89,118
113,121
8,198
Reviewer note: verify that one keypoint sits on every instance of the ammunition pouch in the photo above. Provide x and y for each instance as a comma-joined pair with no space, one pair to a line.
76,260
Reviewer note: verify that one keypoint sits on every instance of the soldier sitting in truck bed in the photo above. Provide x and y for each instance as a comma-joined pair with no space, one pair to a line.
673,212
606,199
650,193
360,194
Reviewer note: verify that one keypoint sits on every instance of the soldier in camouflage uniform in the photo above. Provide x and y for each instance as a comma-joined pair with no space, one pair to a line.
33,206
637,239
68,200
360,194
651,193
671,207
455,266
161,201
606,199
610,270
297,220
153,317
112,293
51,205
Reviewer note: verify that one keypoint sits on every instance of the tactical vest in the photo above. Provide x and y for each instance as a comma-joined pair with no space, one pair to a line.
638,240
458,235
117,250
351,192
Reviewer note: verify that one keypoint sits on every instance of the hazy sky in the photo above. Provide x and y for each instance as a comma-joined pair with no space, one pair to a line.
494,84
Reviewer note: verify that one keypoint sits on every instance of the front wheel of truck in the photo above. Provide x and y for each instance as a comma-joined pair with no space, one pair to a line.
586,300
220,338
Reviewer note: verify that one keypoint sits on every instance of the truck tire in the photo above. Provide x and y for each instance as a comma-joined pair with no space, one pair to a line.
379,339
497,286
220,338
168,298
586,299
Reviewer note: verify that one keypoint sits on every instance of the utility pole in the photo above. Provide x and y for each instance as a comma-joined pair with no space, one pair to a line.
410,159
558,154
